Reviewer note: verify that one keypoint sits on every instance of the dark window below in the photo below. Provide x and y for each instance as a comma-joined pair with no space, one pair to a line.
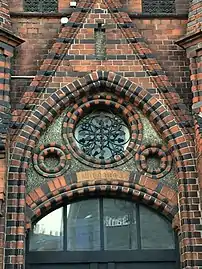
44,6
102,224
158,6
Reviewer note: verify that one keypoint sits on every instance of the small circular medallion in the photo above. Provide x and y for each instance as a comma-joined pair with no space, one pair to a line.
51,160
153,160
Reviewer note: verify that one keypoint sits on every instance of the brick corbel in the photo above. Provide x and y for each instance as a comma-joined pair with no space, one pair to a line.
191,43
9,38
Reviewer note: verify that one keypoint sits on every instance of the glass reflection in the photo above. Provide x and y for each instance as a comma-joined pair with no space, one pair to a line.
96,224
156,231
48,232
119,225
83,225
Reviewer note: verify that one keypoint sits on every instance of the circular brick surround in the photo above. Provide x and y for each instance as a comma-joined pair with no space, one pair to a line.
49,150
154,150
107,102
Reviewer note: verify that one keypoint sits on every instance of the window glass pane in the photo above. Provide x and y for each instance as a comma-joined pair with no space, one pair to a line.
83,225
48,232
119,224
156,231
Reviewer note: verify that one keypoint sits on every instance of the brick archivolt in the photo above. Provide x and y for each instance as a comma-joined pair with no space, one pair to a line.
68,188
162,119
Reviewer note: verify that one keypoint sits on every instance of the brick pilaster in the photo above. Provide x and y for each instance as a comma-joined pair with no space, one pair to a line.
192,42
8,40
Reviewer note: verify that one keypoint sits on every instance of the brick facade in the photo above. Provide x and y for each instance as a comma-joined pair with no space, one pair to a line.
191,42
53,67
8,41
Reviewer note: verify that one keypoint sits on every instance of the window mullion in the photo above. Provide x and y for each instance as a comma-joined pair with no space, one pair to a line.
138,227
101,223
65,228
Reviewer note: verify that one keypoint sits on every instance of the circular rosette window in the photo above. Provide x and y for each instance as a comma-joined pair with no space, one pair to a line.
51,160
153,160
102,133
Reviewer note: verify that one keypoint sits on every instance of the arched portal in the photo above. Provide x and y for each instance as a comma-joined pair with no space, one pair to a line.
165,123
102,232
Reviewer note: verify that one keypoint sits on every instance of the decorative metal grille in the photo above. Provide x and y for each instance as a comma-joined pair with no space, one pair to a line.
44,6
102,135
158,6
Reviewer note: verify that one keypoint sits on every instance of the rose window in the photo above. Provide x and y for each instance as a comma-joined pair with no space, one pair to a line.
102,132
102,135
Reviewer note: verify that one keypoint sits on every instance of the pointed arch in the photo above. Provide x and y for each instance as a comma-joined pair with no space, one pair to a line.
163,119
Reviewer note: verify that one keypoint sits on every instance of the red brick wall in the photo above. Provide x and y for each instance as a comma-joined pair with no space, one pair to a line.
134,5
15,5
39,34
161,35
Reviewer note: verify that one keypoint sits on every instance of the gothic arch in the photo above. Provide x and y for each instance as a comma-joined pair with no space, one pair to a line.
162,119
165,122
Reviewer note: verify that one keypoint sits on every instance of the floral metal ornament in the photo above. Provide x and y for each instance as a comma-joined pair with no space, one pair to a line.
102,135
103,132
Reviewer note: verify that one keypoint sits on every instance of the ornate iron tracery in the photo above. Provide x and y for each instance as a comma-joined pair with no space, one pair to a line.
44,6
158,6
102,135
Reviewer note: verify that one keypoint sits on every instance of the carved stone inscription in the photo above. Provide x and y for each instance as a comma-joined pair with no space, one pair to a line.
102,174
